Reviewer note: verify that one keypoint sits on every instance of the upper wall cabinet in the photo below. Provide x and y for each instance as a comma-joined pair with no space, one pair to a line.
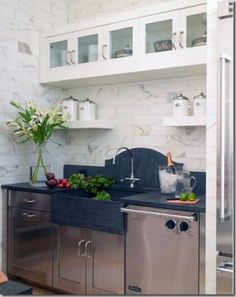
165,44
173,39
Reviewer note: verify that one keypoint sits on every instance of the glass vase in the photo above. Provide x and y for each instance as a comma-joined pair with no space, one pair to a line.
39,166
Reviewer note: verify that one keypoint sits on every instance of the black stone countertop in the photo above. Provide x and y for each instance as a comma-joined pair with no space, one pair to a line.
151,199
26,187
156,199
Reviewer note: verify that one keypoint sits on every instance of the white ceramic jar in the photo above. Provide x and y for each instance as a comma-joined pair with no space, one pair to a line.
87,110
71,105
180,106
199,105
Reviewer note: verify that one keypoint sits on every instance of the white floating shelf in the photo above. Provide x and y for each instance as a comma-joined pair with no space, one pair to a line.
96,124
184,121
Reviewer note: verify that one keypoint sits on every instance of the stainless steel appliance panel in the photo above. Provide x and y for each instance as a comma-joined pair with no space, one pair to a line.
69,260
160,258
105,263
225,275
27,200
225,120
225,147
30,245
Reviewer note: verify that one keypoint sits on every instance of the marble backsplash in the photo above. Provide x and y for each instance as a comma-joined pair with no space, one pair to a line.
136,111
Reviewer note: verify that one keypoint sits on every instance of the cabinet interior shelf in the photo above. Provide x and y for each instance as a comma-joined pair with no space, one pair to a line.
96,124
184,121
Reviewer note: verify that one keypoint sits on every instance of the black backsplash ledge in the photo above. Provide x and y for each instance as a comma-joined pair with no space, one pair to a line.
146,162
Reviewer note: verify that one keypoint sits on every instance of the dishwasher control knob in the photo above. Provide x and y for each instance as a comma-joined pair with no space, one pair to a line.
170,224
183,226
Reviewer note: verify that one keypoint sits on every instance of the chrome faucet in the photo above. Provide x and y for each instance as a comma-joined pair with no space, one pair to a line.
131,178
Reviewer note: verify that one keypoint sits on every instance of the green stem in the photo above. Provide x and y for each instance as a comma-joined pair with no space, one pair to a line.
39,162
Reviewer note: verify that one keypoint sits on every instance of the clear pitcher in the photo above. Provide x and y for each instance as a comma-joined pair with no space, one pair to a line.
184,182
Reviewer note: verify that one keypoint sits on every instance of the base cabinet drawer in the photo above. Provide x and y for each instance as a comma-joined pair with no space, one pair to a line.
88,262
30,245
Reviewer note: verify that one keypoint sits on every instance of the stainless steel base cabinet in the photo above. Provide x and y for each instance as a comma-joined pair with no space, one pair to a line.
88,262
30,237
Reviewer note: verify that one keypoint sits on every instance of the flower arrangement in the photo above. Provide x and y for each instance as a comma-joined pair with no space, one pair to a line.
36,124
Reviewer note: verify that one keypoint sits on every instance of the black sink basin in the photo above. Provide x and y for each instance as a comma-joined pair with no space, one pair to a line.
73,208
116,193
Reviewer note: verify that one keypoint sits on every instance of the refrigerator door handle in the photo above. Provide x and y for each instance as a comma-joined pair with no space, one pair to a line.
224,58
225,266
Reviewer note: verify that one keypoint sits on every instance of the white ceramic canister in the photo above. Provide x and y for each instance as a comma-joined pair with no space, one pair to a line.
180,106
71,105
87,110
199,105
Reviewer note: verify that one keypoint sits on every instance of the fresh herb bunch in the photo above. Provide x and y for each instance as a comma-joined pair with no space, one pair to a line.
93,185
103,196
98,183
78,181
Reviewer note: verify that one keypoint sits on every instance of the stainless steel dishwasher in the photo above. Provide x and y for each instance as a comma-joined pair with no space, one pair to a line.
162,251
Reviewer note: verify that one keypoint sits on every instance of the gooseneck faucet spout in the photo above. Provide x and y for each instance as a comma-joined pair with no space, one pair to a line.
131,178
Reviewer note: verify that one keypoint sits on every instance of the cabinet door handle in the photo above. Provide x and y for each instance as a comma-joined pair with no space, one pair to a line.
224,58
87,244
174,40
225,267
72,57
28,215
103,51
181,33
80,248
29,201
67,58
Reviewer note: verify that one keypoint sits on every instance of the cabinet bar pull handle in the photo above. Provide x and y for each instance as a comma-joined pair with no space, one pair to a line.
68,61
174,40
103,51
28,215
87,255
160,214
29,201
72,57
181,33
223,59
79,248
225,267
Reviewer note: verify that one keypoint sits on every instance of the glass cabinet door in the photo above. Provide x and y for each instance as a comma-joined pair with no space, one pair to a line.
196,30
158,36
121,41
87,48
58,53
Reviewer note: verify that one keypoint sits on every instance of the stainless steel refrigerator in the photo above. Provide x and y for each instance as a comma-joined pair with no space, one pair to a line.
226,148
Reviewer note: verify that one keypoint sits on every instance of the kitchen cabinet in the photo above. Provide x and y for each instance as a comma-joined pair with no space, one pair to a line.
30,237
127,50
90,52
88,262
173,39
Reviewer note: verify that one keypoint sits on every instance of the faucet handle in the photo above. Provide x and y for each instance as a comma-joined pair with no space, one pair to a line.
133,179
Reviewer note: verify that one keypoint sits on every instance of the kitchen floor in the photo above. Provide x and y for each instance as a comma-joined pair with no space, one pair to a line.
41,291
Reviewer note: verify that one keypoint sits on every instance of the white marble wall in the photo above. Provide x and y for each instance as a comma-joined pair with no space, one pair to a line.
136,111
20,24
88,9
